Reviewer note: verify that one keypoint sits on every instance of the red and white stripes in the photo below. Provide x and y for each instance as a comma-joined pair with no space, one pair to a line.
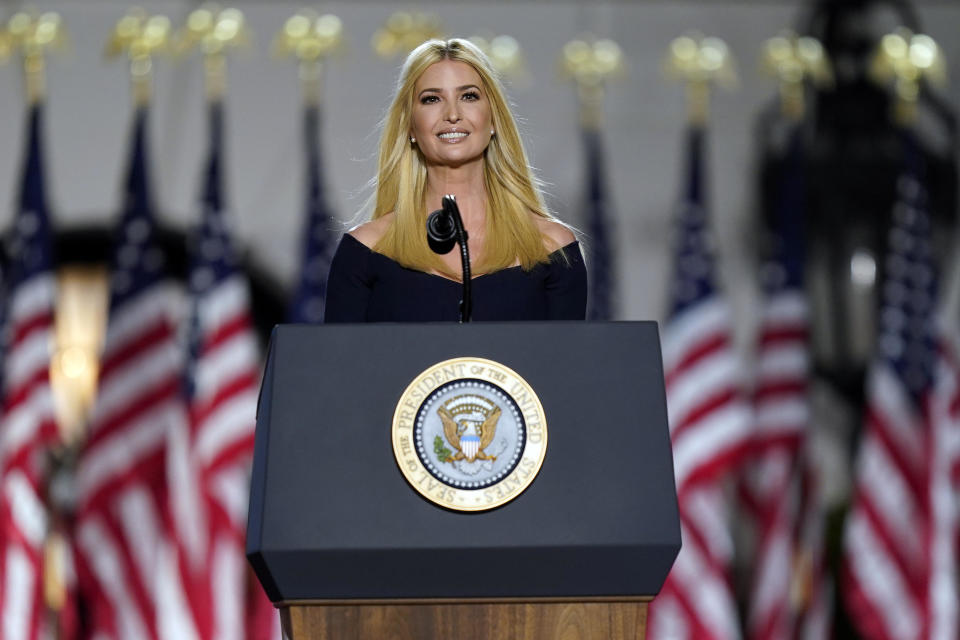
208,470
697,599
770,483
28,428
226,379
709,428
887,535
224,417
120,479
781,405
945,496
709,422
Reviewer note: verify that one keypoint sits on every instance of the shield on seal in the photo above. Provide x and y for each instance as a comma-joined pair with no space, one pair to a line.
470,445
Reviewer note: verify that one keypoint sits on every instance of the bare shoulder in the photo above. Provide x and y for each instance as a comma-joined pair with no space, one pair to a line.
555,234
369,233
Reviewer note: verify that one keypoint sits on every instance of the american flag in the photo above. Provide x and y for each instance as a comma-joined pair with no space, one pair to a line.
308,300
710,426
598,228
779,486
221,387
945,490
891,534
28,420
120,483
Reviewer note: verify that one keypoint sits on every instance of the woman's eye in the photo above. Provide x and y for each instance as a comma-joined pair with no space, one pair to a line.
428,99
471,95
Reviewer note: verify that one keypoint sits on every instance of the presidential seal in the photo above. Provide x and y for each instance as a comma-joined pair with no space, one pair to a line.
469,434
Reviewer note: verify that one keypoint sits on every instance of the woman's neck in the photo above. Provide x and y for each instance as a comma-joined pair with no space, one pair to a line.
466,183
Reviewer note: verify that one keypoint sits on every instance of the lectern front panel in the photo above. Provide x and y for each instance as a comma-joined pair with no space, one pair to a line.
333,517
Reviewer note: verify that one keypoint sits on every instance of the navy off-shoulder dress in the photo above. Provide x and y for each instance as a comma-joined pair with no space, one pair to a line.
365,286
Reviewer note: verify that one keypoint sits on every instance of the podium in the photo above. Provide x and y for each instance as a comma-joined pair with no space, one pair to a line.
347,546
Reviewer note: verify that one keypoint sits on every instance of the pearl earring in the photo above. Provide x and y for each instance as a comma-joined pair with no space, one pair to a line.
492,132
413,140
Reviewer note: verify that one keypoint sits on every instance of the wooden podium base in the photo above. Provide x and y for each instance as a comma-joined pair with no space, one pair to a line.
393,620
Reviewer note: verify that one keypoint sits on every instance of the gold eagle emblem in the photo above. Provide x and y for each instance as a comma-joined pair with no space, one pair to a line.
469,437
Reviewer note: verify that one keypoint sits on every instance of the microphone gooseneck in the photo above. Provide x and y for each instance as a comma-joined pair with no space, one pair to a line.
444,229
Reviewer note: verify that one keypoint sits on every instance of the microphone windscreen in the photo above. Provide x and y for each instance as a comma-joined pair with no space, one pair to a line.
441,232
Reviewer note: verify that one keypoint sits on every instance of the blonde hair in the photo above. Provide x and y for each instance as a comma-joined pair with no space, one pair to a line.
512,190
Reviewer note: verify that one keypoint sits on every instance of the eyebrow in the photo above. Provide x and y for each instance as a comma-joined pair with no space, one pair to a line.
436,90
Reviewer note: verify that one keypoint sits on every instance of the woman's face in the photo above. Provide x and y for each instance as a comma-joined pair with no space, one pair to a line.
451,114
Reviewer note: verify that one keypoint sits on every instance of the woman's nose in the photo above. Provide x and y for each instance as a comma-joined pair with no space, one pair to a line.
453,112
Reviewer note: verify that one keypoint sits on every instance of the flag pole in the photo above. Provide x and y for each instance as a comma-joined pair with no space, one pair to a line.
29,464
32,35
82,291
220,400
311,39
917,592
697,334
779,489
591,63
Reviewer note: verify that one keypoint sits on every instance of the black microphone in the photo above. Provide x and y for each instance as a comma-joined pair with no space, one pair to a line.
445,229
441,231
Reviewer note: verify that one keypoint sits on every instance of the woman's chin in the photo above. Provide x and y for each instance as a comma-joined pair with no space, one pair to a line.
454,160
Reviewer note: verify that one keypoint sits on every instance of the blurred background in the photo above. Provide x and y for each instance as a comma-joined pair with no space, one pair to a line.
710,153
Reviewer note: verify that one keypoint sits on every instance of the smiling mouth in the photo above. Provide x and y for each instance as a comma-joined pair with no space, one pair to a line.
455,136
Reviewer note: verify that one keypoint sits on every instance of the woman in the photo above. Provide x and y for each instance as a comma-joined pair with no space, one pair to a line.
449,131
